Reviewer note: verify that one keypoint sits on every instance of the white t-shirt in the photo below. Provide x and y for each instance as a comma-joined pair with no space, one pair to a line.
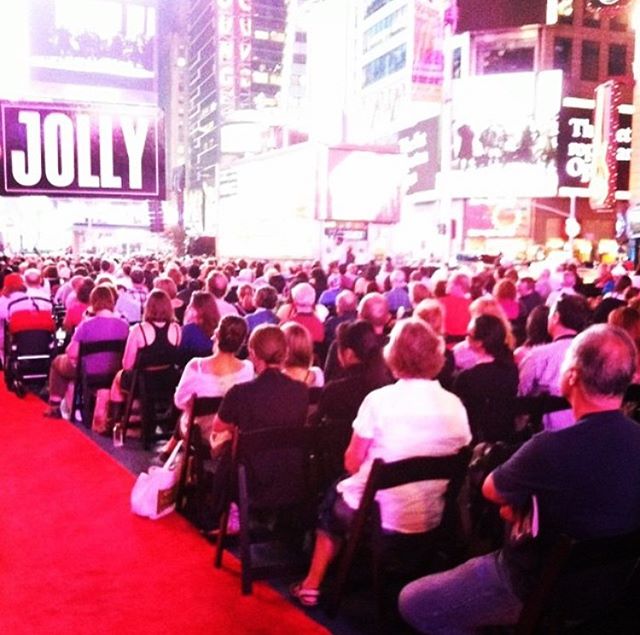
413,417
196,381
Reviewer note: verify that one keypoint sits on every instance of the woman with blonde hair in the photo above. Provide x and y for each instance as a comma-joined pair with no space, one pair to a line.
298,363
413,417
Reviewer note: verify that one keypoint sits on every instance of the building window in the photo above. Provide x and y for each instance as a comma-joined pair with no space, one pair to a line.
301,36
617,60
386,64
562,47
374,6
589,17
506,59
590,61
456,63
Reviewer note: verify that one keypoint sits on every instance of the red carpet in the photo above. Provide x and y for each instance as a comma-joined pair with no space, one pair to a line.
73,559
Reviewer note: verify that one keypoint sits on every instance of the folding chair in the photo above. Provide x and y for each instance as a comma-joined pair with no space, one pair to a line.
154,388
583,582
272,468
384,476
196,449
87,384
537,406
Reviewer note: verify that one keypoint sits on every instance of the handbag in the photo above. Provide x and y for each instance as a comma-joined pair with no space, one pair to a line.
154,492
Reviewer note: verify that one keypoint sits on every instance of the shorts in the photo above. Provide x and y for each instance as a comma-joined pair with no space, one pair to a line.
334,515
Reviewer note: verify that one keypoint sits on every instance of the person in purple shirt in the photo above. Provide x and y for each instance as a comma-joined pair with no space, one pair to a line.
265,299
100,325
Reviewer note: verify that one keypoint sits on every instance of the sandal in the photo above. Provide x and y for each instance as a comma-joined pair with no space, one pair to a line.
306,597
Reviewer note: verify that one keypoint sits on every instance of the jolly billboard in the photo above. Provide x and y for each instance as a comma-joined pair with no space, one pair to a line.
81,150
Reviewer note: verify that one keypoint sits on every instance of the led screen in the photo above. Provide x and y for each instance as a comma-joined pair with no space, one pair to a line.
61,48
364,185
504,134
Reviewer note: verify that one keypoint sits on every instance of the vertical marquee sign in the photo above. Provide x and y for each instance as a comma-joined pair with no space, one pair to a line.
234,52
81,150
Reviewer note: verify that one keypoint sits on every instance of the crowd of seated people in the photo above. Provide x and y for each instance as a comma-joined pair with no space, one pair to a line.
458,347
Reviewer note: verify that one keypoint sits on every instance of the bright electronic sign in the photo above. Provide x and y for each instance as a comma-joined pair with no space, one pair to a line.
104,50
504,134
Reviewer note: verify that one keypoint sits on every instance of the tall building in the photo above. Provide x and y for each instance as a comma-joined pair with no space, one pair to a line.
475,98
234,64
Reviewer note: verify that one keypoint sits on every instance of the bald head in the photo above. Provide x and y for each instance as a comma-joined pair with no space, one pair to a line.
346,302
604,358
374,309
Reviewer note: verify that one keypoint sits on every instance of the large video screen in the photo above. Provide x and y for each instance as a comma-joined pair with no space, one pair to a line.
505,133
364,185
61,48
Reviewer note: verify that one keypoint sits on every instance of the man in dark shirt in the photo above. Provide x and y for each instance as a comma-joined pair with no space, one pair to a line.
585,479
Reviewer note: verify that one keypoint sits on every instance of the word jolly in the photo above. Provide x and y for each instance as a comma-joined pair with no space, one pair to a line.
68,148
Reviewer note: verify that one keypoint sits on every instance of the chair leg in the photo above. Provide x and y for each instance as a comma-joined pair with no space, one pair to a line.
245,538
222,535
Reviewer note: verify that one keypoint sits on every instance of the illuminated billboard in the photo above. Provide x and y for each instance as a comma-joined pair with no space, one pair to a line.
364,185
76,150
61,48
504,134
575,145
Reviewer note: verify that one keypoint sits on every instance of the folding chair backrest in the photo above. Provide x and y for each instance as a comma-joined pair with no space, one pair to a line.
275,461
115,350
537,406
204,406
393,474
587,574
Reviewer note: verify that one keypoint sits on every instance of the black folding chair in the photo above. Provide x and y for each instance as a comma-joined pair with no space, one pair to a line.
535,407
154,388
195,449
384,476
87,384
272,468
588,582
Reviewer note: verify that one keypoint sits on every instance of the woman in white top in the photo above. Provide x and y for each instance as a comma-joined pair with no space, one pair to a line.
299,360
413,417
213,376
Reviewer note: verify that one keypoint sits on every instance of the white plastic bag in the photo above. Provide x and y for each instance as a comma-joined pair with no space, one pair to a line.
154,492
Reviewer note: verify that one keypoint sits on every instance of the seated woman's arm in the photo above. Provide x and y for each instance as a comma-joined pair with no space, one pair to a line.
356,453
187,386
134,343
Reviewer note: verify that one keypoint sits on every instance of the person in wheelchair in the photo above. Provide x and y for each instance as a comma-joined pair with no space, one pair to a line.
104,325
13,288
